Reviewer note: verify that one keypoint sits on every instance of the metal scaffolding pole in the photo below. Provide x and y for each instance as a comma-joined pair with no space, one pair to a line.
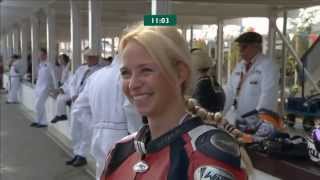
295,55
283,64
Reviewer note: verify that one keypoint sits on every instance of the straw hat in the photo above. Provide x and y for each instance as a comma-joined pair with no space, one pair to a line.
90,52
200,59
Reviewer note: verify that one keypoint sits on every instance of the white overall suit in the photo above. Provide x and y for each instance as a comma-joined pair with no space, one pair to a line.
14,81
65,73
259,89
62,98
46,81
113,117
80,134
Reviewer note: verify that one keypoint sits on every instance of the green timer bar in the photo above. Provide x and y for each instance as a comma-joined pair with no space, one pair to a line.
160,20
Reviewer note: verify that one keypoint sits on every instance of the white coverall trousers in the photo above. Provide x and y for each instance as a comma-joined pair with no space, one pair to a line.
14,88
103,140
81,134
40,107
61,104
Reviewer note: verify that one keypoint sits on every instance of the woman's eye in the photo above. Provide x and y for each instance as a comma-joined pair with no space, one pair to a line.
146,70
125,74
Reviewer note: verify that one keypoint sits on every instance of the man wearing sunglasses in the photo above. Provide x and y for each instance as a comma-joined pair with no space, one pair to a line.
252,87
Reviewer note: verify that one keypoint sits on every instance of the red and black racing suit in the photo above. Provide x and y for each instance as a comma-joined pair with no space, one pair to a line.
192,150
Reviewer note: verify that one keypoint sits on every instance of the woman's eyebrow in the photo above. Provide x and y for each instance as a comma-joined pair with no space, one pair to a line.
148,65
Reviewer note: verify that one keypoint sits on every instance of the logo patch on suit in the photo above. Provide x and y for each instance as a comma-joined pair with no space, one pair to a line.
211,173
253,82
257,72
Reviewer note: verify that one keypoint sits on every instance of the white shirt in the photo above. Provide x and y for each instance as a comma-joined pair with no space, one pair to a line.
58,71
103,98
15,69
66,86
65,73
46,77
259,89
79,80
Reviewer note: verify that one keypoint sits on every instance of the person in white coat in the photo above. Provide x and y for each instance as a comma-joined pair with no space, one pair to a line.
64,62
79,132
63,91
112,115
46,81
253,87
14,79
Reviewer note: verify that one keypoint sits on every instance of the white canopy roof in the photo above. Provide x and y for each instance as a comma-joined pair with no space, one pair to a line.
118,13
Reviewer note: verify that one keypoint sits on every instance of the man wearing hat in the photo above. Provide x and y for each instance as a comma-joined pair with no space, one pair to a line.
112,116
252,87
80,133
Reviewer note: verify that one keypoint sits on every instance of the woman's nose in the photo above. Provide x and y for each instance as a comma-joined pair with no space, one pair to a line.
134,82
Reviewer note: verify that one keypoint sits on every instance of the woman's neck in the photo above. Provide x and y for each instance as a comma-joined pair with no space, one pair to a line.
164,121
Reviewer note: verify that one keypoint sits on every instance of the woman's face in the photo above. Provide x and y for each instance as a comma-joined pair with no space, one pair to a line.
144,83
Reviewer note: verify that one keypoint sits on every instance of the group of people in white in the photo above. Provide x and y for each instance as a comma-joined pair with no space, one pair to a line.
101,114
98,108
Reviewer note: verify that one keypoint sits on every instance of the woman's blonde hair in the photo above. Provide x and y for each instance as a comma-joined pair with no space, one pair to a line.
216,119
168,48
165,45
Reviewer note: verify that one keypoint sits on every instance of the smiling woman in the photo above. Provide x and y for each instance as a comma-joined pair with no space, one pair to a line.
156,73
151,75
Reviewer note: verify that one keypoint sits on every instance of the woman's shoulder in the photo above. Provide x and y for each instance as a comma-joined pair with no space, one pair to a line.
126,140
121,151
214,154
215,143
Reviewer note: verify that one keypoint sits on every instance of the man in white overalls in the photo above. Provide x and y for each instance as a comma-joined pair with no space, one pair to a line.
15,75
80,134
112,116
46,81
63,93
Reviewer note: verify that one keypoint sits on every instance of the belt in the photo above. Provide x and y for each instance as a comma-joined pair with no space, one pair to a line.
111,125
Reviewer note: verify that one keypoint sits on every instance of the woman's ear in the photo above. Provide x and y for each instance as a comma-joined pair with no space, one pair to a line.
183,72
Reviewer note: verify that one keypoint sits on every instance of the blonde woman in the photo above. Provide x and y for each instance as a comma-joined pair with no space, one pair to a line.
173,144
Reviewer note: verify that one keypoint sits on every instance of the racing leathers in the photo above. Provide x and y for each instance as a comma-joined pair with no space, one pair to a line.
192,151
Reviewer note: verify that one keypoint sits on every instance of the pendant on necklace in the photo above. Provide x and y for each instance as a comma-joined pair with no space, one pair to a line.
140,167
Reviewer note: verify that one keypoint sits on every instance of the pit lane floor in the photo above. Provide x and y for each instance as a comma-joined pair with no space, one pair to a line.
29,153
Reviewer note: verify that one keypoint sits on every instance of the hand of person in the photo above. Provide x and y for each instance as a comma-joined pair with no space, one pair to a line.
73,99
54,92
60,91
69,102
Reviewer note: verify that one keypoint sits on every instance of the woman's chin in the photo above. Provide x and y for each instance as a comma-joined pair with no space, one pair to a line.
145,111
142,111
